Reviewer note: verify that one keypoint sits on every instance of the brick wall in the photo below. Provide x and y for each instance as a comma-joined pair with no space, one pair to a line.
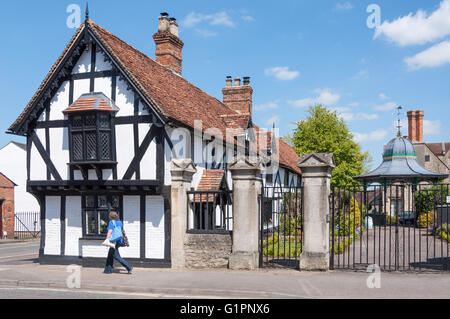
207,250
7,207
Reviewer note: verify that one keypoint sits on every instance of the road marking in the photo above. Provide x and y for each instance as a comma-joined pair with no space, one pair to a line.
4,269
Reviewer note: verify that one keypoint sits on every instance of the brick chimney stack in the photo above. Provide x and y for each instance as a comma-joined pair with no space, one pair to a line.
168,45
238,97
415,126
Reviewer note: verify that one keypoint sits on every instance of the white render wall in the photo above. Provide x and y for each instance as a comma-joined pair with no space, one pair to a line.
59,151
37,166
60,102
124,148
148,163
154,227
52,225
132,225
73,226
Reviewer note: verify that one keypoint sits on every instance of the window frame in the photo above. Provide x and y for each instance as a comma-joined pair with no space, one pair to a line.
85,129
98,210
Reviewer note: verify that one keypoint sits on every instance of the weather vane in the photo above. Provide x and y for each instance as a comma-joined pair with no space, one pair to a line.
398,121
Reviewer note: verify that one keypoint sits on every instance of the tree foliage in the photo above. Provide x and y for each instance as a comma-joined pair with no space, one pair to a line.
325,132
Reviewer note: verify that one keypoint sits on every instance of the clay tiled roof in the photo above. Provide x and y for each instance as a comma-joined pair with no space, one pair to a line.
211,180
92,102
171,95
436,148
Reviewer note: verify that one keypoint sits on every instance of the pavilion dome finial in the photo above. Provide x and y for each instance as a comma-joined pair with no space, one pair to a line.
399,147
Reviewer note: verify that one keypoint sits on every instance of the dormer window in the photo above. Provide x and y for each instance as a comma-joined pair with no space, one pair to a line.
91,137
91,131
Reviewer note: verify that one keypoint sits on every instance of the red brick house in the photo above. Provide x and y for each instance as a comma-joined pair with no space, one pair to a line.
6,207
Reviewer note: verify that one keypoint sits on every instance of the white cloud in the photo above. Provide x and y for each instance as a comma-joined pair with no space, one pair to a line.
358,116
248,18
345,6
206,33
266,106
214,19
282,73
435,56
360,75
419,28
377,135
326,98
389,106
432,127
383,96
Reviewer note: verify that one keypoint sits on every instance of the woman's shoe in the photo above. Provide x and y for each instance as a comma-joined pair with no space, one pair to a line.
129,271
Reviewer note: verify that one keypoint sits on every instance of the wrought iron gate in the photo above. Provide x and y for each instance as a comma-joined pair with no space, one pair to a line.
399,227
27,225
281,221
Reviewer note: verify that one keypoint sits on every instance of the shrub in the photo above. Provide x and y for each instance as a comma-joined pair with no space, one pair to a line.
426,199
443,232
286,247
425,220
290,226
346,223
391,220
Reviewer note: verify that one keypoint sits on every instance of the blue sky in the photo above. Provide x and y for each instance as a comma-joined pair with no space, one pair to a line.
296,52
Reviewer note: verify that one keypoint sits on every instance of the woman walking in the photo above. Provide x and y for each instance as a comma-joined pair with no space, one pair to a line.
114,252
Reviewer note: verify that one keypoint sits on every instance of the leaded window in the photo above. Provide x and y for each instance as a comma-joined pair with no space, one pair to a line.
96,209
91,137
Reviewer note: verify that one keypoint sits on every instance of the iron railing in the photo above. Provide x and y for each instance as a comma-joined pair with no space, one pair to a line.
210,211
27,225
397,227
281,225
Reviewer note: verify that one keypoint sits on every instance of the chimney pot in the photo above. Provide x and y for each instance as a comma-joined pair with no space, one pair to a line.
164,23
238,98
168,45
229,81
173,28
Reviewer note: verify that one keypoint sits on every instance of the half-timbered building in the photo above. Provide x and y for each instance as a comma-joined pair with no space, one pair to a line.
102,130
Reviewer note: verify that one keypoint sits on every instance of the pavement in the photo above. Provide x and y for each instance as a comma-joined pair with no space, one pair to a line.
23,276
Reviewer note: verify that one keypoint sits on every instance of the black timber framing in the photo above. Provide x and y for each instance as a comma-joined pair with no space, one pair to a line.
29,144
136,135
47,136
121,120
45,156
166,193
93,63
42,204
55,81
63,225
61,74
154,130
142,226
160,154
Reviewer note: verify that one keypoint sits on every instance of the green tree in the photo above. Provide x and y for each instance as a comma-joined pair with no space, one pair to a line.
325,132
